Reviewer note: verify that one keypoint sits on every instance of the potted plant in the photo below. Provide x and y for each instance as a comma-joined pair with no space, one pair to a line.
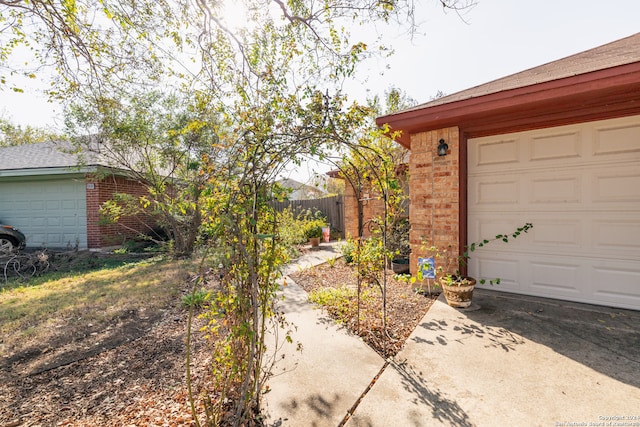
314,233
400,265
458,288
398,245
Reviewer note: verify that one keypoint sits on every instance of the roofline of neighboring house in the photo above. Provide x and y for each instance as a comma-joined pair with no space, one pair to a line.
607,93
63,170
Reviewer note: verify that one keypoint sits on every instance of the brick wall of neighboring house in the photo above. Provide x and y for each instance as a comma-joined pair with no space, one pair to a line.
104,235
372,206
437,199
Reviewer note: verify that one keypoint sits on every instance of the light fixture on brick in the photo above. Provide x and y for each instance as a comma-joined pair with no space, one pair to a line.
442,148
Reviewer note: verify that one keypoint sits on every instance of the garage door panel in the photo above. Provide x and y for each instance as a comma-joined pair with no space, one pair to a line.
52,204
548,232
617,283
51,212
54,221
503,192
580,187
555,146
555,277
508,270
70,221
620,185
566,233
37,239
490,226
549,190
53,239
616,140
618,234
613,235
69,204
499,152
36,205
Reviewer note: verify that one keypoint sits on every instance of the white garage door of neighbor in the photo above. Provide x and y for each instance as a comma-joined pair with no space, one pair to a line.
51,213
580,187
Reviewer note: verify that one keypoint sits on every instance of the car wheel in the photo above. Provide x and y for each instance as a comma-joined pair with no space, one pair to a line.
6,245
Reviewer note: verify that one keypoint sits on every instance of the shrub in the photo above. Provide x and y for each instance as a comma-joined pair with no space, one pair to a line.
348,249
398,239
196,299
289,228
340,302
313,231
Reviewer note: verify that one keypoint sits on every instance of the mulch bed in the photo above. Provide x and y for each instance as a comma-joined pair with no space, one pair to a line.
136,380
133,372
405,308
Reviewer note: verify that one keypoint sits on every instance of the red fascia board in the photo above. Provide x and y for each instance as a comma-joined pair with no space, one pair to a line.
459,113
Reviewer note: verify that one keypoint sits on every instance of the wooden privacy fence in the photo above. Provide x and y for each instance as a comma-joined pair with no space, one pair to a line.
331,207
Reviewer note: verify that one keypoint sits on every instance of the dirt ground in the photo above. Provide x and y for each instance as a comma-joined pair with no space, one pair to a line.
405,308
132,372
130,375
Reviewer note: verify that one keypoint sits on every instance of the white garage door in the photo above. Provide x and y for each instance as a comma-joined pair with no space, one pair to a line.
51,212
580,187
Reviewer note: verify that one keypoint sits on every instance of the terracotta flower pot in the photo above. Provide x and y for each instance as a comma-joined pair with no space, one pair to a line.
315,241
459,296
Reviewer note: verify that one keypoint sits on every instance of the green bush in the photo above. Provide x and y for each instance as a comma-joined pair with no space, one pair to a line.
313,231
196,299
292,228
341,303
289,228
348,249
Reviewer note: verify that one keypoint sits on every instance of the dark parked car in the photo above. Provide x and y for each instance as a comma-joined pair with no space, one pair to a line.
11,239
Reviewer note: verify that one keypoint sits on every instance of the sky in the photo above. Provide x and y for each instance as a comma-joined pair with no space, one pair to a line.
449,53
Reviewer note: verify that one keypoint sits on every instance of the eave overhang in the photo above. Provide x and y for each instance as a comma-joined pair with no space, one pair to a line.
607,93
63,170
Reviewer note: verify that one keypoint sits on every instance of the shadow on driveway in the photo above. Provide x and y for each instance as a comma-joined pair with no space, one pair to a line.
604,339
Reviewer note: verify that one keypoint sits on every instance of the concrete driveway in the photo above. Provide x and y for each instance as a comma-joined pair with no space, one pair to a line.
512,360
509,360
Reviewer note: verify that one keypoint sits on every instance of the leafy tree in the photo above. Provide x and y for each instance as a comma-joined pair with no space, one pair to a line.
271,93
13,134
373,166
83,45
160,141
335,186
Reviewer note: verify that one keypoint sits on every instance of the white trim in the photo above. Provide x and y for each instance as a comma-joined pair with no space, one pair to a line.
47,171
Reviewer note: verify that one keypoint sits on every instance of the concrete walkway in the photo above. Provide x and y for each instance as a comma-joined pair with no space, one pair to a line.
318,385
510,360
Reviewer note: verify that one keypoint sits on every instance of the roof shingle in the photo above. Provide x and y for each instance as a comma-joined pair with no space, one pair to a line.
50,154
620,52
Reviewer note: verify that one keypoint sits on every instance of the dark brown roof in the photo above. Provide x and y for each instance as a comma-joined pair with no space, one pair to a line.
610,73
620,52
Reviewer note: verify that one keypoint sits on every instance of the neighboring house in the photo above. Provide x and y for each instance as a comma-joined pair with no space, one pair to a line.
54,197
558,146
300,191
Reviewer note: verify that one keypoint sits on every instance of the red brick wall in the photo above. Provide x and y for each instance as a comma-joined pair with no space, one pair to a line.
436,196
373,207
99,235
350,212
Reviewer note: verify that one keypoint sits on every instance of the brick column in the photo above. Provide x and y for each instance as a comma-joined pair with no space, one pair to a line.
350,212
93,211
435,194
373,207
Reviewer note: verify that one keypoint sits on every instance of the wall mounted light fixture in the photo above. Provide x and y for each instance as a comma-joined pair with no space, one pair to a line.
442,148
